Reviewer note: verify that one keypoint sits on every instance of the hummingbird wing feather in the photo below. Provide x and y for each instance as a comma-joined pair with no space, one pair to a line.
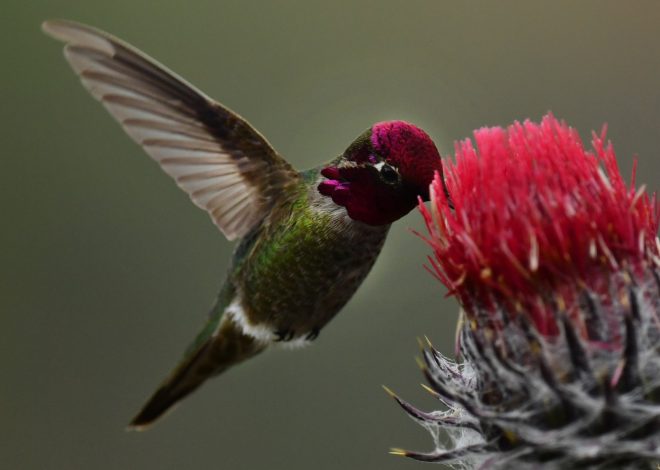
224,164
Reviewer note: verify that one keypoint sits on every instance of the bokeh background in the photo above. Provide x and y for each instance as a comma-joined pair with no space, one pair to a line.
107,270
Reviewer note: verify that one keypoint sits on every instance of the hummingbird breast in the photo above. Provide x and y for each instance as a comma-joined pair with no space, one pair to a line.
302,266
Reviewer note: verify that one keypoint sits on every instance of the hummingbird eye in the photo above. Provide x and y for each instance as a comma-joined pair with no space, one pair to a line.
389,174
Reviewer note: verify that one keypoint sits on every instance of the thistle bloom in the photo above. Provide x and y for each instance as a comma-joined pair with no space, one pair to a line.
555,263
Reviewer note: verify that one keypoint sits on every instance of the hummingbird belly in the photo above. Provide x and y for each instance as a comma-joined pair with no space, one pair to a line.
298,273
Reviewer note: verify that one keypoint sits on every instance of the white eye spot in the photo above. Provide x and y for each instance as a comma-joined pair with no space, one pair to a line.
379,166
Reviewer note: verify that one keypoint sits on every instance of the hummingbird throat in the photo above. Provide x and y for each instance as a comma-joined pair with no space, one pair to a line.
359,188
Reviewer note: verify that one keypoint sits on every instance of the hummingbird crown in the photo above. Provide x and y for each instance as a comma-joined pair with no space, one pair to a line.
380,176
410,149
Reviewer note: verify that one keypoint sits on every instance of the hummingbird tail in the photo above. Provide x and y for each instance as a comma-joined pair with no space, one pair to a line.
227,347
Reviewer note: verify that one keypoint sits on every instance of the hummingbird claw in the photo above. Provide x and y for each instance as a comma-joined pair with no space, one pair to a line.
312,335
284,335
281,334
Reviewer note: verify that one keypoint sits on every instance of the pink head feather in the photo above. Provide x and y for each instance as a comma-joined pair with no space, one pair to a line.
357,182
408,148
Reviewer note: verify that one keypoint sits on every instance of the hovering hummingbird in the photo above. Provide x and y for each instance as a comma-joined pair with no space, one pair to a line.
306,240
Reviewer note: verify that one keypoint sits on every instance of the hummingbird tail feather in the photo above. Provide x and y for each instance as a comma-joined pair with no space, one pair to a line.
227,347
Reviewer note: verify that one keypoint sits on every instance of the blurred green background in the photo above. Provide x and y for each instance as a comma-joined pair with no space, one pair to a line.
108,270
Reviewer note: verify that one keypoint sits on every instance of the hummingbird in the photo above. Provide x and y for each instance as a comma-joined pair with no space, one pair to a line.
305,239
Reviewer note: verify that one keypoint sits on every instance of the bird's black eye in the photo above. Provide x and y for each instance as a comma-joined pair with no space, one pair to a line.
389,174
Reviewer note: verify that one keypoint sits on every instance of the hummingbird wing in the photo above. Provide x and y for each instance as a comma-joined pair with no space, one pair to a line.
224,164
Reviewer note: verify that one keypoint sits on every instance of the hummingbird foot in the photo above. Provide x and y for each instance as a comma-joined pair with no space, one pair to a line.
312,335
284,335
287,335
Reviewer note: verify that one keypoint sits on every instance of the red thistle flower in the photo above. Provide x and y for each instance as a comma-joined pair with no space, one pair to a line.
537,215
555,262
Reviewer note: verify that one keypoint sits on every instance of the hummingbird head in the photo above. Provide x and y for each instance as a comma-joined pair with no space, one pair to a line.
381,175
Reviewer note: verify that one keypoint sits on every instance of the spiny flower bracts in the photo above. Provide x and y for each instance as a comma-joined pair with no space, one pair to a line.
555,264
